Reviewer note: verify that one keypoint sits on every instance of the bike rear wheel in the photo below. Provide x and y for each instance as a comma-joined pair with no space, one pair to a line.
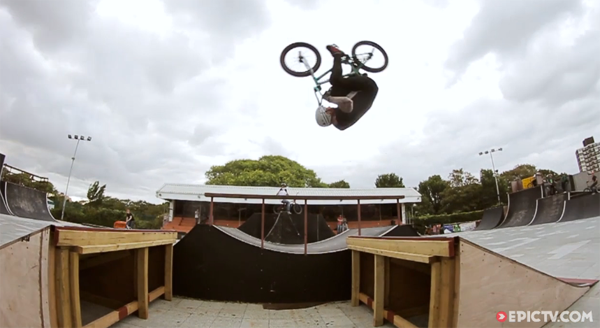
302,58
297,209
369,56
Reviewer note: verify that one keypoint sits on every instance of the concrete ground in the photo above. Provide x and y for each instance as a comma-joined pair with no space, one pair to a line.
189,313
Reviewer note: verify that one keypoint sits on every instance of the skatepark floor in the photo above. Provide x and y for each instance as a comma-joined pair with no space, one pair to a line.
190,313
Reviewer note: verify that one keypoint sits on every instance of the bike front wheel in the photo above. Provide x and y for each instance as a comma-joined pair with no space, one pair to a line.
369,56
304,55
297,209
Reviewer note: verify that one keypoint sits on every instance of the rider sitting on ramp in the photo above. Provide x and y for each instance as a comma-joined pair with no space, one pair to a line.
354,96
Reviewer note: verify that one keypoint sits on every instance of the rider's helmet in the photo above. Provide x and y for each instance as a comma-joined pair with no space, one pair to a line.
283,185
323,118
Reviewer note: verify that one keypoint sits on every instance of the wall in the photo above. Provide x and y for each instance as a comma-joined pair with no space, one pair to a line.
24,300
580,179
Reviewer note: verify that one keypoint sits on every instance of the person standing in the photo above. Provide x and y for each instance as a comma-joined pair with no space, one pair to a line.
129,220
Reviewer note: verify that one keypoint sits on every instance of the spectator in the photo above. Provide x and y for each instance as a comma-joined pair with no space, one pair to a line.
129,220
594,185
197,215
340,222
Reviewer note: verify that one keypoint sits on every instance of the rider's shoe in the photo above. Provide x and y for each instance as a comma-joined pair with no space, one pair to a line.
290,213
334,50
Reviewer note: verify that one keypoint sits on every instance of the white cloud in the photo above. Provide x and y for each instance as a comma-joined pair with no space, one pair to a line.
169,88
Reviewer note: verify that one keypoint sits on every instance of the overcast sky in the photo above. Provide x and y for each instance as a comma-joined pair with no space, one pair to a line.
168,88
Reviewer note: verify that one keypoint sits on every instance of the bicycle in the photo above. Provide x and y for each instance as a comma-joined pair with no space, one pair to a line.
295,208
589,188
353,61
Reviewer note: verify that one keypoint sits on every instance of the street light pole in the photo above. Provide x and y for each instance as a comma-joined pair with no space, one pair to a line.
78,138
494,169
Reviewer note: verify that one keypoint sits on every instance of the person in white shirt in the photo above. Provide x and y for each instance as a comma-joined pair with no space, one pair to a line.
283,192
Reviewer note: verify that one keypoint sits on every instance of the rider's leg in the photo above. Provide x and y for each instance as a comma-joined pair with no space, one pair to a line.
352,83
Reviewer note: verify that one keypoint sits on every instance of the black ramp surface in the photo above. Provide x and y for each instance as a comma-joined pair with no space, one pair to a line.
581,207
211,263
27,203
3,209
285,232
491,218
521,207
549,209
403,230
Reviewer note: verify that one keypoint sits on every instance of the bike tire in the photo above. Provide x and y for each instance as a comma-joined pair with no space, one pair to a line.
298,45
297,209
276,209
376,46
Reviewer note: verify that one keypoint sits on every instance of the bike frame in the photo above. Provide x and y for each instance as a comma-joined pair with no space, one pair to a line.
319,79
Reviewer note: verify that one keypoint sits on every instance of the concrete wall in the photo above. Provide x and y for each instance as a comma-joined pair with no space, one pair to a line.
581,178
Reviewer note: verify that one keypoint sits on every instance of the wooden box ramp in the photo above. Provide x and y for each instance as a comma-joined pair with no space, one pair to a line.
100,276
450,282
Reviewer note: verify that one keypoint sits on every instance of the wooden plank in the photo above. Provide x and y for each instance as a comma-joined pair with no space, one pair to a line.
456,307
114,316
397,255
63,295
421,247
52,285
386,285
447,293
119,247
156,293
400,322
168,289
355,278
298,197
101,259
434,302
74,289
87,238
378,296
142,282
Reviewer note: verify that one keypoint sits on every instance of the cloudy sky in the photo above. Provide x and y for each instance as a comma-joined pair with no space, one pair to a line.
168,88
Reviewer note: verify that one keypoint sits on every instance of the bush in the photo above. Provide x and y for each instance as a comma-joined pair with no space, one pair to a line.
421,222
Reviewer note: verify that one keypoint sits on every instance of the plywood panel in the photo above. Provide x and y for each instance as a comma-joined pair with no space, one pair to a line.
409,285
23,297
490,283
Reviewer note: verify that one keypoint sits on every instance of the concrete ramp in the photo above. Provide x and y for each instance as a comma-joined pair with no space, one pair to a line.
581,206
27,203
491,218
522,206
550,209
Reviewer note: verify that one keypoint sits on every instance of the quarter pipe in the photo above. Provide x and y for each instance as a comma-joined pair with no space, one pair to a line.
550,209
226,264
287,229
583,206
522,206
491,218
27,203
3,208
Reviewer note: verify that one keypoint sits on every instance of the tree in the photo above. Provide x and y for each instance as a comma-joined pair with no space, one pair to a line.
431,190
339,184
389,180
464,198
460,178
266,171
489,196
520,171
95,194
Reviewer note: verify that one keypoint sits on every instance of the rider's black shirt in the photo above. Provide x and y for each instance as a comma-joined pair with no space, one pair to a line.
363,101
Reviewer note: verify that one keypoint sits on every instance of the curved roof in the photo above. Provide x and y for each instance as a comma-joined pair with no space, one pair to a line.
192,192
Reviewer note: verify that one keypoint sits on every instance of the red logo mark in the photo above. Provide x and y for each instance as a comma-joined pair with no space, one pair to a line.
501,316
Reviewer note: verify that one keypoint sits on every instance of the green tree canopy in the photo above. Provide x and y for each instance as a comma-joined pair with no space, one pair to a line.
520,171
389,180
95,194
266,171
431,191
339,184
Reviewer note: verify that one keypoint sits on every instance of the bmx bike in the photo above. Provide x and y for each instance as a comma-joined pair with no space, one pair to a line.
356,61
589,188
295,207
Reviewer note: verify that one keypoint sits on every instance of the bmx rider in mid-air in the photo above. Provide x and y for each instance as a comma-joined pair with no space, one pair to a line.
354,96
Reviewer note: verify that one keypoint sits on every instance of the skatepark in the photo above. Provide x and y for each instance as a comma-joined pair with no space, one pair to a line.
540,253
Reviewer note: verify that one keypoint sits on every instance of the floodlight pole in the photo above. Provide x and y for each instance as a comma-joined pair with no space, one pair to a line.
78,138
494,169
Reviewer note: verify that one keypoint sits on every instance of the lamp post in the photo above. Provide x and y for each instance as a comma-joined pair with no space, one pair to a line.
493,168
78,138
